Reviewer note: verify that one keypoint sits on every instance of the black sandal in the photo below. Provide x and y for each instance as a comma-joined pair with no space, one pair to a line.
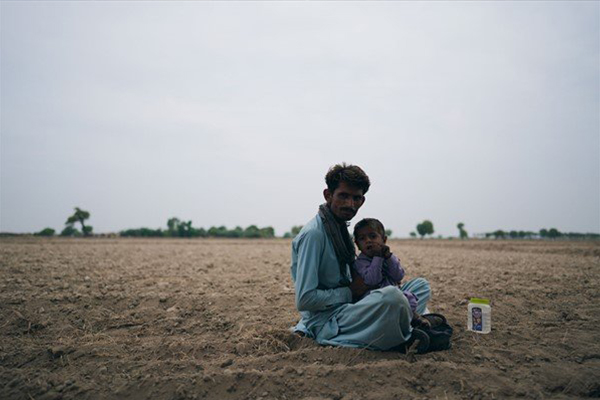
435,319
418,338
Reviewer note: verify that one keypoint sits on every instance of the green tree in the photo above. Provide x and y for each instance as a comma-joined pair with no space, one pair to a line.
388,233
70,230
80,216
173,226
267,232
425,228
463,233
413,234
252,232
543,233
554,233
513,234
184,229
237,232
222,231
200,232
499,234
46,232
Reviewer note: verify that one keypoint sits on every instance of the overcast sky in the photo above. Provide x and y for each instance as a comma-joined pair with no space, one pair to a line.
230,113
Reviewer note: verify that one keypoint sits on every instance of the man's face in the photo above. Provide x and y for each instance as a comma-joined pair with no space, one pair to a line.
345,201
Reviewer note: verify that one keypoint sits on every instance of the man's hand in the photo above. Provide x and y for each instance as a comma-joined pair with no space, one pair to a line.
358,286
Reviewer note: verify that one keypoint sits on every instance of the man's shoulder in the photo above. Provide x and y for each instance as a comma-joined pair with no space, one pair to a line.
313,230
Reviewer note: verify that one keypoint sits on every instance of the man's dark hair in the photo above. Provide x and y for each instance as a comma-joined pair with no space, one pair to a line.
353,175
371,223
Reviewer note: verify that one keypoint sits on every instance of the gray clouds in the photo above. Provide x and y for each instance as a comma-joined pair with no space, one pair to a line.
231,113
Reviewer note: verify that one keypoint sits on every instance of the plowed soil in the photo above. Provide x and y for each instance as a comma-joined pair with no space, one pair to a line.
191,319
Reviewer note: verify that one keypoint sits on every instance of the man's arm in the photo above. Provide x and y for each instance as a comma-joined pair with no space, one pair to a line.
308,296
358,286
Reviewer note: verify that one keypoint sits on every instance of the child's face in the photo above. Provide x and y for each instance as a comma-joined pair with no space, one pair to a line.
369,241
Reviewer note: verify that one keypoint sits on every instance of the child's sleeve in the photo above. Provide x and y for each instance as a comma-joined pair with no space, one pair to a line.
412,300
394,269
370,271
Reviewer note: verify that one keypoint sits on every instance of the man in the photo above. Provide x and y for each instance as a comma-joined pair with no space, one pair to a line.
322,255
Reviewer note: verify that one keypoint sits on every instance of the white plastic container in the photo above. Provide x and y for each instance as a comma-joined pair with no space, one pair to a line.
479,317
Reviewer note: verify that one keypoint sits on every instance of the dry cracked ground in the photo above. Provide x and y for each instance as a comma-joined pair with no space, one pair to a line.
193,319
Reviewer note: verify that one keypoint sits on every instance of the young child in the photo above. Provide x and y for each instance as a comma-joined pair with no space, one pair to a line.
376,264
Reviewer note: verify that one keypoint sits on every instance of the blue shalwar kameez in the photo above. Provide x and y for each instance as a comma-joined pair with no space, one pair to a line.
379,321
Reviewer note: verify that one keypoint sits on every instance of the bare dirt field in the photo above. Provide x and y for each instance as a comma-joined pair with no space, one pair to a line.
179,319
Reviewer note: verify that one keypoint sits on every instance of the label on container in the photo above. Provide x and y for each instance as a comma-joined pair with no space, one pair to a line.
476,319
479,315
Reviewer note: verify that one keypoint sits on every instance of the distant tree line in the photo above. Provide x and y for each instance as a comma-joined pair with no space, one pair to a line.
175,228
551,233
179,228
426,228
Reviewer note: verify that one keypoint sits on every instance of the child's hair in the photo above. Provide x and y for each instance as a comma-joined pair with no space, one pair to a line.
370,222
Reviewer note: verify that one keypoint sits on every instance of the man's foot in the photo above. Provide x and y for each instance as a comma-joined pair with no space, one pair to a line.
418,342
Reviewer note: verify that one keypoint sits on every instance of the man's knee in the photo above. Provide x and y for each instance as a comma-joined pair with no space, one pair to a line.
393,296
425,289
422,289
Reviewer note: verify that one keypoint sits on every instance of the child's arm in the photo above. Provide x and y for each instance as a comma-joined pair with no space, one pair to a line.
394,269
370,271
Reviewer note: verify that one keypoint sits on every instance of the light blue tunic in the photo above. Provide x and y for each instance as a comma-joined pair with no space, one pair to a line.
379,321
